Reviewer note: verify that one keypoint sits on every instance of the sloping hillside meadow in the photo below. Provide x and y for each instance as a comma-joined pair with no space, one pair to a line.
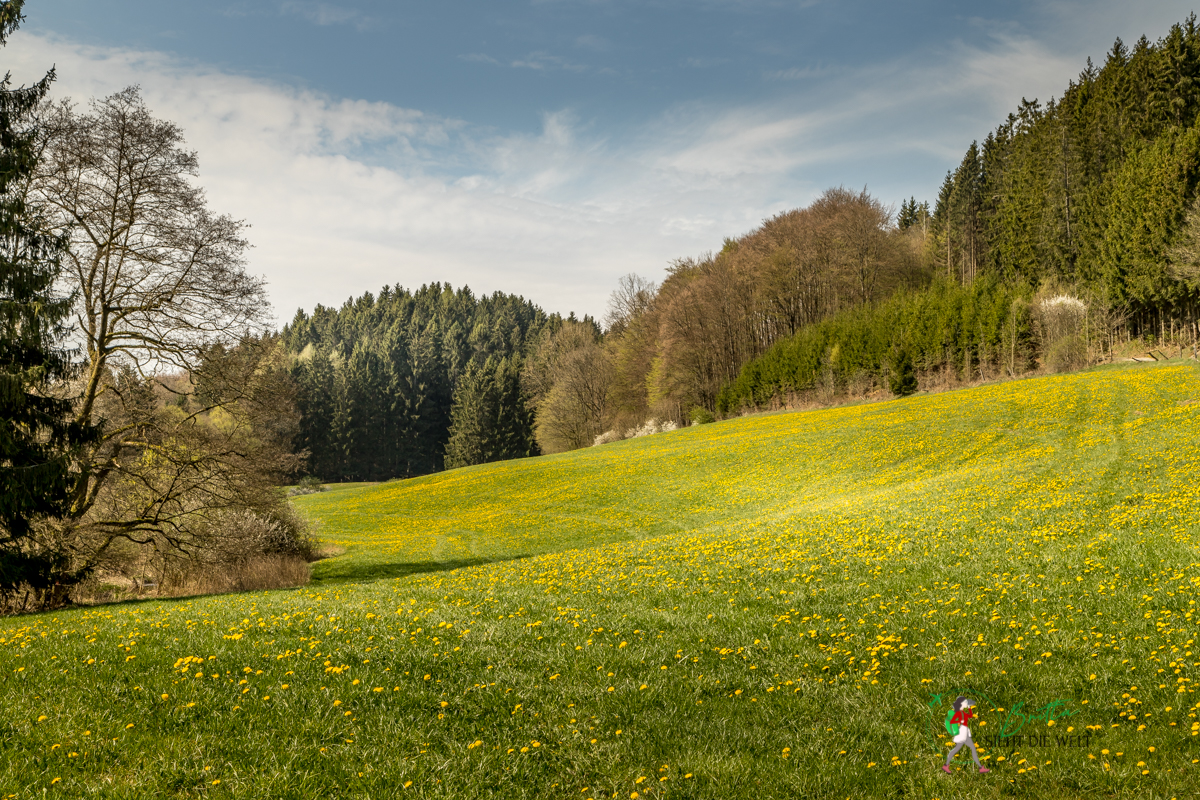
773,606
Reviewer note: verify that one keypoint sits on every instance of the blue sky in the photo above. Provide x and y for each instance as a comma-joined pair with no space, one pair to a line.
546,148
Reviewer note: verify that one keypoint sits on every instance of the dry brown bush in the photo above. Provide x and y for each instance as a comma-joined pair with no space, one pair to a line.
243,552
274,571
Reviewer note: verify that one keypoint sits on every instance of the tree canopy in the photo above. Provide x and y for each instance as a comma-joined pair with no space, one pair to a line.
388,382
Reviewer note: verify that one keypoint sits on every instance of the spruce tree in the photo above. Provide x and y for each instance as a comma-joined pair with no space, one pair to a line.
491,419
473,418
37,434
316,381
903,380
432,400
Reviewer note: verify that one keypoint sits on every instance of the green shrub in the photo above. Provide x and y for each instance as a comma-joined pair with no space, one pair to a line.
307,485
942,326
1066,354
903,380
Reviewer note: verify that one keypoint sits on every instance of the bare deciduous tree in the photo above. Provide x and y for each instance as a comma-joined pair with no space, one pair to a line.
194,425
632,297
159,276
630,343
567,376
708,327
862,238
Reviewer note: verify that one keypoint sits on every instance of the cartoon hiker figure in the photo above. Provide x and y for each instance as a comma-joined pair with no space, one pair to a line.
958,726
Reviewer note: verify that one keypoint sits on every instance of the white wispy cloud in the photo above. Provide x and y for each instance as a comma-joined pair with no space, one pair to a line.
590,41
325,13
540,61
482,58
345,195
704,62
934,105
798,73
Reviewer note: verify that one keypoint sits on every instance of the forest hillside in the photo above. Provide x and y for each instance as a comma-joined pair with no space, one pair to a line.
1070,236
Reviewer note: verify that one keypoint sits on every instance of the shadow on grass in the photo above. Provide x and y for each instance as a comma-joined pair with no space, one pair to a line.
333,573
337,571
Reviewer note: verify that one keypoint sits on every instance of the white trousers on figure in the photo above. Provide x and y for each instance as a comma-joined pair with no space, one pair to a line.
963,737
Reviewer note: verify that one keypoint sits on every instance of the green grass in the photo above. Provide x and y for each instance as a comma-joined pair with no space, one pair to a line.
764,607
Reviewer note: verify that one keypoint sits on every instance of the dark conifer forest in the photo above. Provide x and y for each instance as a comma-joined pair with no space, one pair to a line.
407,382
1095,188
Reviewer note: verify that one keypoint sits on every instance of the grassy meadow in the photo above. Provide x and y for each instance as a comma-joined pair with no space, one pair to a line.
777,606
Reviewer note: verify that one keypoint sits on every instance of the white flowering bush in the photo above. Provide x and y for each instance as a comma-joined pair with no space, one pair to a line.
647,428
606,437
651,427
1062,326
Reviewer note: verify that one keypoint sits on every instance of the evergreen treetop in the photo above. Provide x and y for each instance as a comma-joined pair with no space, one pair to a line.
37,435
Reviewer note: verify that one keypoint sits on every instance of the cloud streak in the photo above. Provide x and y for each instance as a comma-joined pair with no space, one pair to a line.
325,14
539,61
